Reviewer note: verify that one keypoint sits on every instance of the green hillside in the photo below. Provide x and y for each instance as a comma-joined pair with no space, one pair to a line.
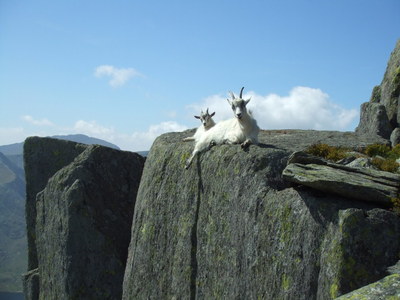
6,175
13,244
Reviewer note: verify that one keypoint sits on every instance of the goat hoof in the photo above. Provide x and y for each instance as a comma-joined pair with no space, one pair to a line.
245,145
187,165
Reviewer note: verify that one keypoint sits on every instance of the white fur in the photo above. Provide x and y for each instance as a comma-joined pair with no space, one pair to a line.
242,129
206,123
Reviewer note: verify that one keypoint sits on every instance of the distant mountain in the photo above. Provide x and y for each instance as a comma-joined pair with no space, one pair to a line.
12,149
18,148
84,139
13,243
143,153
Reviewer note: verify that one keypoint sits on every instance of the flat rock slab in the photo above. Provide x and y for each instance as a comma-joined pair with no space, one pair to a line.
356,183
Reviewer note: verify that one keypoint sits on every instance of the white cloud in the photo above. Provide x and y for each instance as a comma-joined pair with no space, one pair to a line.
136,141
303,108
143,140
118,77
42,122
12,135
93,129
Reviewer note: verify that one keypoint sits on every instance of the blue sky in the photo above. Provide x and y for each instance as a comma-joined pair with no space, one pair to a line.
127,71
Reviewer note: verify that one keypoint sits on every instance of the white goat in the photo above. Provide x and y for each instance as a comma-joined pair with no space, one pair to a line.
242,129
206,121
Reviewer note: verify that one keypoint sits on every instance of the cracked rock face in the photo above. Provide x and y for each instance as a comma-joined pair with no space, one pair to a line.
381,115
230,227
374,120
82,218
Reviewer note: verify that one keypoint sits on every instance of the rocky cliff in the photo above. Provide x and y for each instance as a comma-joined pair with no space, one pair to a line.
231,227
80,202
381,115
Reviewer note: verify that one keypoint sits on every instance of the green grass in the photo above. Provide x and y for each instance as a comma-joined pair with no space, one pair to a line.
383,156
328,152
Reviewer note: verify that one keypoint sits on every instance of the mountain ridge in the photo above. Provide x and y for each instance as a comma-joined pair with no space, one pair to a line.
17,148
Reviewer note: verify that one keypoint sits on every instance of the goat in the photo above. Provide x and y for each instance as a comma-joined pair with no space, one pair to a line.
242,129
207,123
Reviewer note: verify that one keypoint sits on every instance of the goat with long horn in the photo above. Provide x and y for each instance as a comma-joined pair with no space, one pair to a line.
241,91
242,129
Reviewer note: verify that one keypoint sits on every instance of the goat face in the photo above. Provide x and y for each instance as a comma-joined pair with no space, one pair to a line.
205,118
238,105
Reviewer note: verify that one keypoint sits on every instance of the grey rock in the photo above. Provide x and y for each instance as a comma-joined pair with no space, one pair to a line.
357,183
299,140
347,160
376,94
306,158
382,112
361,162
395,269
374,120
386,288
395,137
230,227
390,86
43,157
83,222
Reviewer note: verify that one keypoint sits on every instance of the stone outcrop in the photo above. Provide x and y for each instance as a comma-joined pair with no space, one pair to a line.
382,113
82,215
386,288
43,157
395,137
374,120
357,183
231,227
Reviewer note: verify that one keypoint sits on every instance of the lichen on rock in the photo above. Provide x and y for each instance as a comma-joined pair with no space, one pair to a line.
82,218
232,228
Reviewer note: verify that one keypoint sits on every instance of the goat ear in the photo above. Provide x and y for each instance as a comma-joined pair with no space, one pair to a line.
229,101
212,115
197,117
247,101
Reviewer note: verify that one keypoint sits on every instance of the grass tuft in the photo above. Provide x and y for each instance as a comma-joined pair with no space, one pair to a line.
327,152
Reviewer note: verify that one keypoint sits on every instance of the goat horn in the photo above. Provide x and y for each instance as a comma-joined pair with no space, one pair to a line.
232,95
241,91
